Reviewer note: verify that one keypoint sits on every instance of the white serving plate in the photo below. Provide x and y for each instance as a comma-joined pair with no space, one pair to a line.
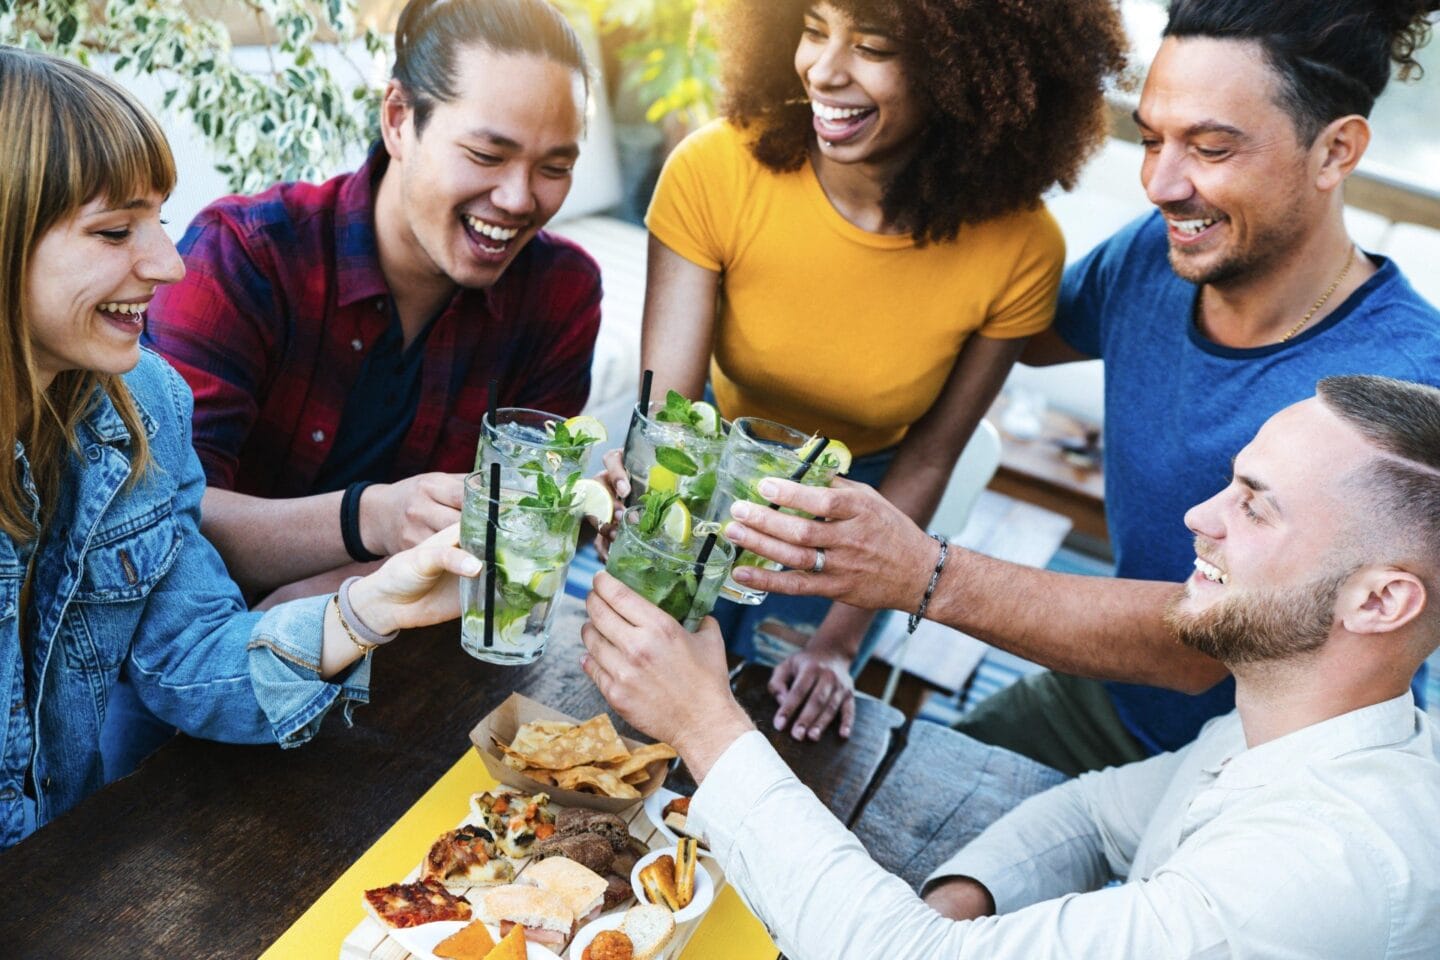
654,808
704,886
421,941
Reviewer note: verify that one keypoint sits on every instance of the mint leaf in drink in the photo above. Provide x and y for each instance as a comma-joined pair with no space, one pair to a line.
679,598
703,488
677,461
653,504
677,409
560,436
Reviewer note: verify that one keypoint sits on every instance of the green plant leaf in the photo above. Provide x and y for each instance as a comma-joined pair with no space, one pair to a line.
676,461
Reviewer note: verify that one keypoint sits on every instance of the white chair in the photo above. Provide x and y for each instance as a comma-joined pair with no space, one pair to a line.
973,471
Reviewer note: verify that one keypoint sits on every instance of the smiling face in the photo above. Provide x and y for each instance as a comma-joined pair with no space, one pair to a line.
865,110
1223,161
491,167
88,283
1272,548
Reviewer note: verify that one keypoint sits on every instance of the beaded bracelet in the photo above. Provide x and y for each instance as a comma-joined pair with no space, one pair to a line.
360,634
919,614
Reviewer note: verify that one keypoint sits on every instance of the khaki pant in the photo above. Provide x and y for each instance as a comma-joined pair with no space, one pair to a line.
1062,721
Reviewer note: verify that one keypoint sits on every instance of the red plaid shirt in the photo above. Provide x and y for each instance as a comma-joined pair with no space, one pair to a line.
283,296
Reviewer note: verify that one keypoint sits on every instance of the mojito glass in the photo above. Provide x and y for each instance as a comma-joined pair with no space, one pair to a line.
662,570
524,443
671,458
757,449
533,549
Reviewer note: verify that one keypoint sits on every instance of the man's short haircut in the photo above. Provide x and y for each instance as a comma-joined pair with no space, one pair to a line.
430,33
1402,485
1332,57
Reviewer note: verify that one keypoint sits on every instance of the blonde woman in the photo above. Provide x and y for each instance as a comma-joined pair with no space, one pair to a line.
102,566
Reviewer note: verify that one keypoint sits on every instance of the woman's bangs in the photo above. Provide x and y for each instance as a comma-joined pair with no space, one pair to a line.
115,148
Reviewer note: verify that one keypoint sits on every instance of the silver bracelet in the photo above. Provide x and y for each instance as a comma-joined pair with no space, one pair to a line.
919,614
353,624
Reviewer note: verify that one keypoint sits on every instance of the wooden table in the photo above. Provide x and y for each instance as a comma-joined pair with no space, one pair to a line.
213,850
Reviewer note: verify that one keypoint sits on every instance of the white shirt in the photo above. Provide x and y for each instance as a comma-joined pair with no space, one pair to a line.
1323,843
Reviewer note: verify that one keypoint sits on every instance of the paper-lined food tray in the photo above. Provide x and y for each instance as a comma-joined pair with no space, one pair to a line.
372,941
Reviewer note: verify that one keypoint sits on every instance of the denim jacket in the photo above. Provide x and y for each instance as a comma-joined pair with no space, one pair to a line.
122,577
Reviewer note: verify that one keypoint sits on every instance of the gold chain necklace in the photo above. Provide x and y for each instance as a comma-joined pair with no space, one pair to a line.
1309,314
1349,261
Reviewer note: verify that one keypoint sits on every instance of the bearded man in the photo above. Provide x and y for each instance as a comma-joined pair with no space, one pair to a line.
1299,825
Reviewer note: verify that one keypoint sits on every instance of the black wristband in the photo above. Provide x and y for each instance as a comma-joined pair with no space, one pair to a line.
350,523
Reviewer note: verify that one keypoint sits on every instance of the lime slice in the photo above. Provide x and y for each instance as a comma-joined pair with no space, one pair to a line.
516,567
507,633
546,583
587,428
663,479
676,522
835,453
707,419
594,500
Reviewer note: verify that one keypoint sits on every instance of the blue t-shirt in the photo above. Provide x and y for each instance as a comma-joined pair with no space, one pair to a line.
1178,407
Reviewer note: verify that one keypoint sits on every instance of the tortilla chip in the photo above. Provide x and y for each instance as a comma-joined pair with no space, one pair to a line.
471,943
531,735
641,758
595,780
539,775
594,741
636,778
511,946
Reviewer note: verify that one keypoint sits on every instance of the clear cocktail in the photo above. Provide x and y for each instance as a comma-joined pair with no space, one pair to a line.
675,447
656,553
535,542
531,443
754,450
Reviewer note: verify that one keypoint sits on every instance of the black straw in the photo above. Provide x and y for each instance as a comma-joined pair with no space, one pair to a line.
492,530
804,468
494,399
704,556
645,383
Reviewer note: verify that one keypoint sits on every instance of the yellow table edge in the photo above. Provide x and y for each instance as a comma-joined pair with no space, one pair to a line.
728,932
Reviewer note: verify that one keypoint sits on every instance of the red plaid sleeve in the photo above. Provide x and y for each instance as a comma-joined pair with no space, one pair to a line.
218,327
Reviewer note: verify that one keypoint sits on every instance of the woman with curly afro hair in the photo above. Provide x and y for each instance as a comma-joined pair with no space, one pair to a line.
859,248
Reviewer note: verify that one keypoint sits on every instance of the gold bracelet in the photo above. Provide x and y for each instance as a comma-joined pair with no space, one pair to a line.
365,648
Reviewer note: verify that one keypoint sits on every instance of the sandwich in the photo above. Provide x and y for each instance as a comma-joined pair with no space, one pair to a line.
649,928
581,820
657,879
677,815
685,870
581,889
589,849
544,915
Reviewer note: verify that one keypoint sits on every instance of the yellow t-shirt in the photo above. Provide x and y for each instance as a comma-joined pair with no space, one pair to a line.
830,328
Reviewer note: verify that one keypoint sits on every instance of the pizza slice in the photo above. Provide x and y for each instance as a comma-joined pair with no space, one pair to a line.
516,820
467,857
412,904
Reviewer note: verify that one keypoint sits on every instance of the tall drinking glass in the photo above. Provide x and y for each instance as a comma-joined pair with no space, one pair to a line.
663,571
671,458
522,441
533,549
757,449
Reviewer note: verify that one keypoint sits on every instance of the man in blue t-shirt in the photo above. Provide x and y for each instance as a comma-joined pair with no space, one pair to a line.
1225,305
